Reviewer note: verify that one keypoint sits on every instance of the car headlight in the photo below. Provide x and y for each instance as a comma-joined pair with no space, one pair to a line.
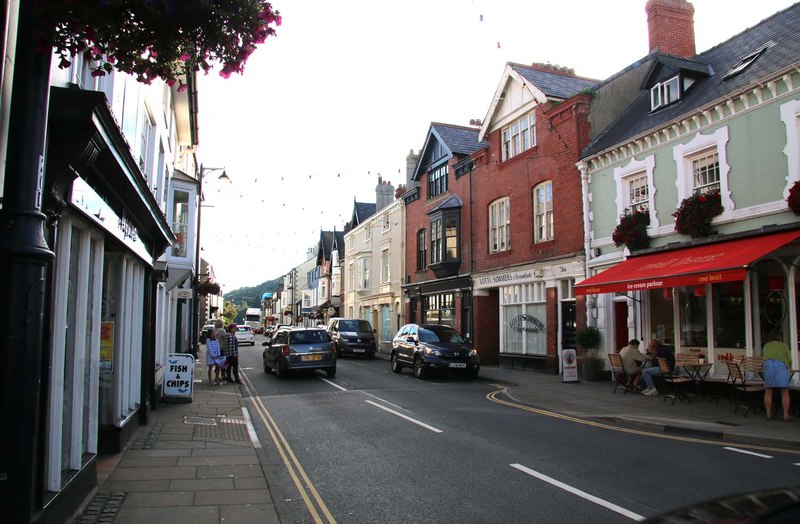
431,351
473,353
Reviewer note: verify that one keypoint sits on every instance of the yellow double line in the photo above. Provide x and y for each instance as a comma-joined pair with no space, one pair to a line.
493,396
305,487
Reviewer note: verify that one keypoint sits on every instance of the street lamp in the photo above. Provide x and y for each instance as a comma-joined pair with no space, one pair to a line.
195,295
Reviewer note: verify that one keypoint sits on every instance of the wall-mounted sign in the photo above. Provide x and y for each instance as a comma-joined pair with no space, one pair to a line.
107,346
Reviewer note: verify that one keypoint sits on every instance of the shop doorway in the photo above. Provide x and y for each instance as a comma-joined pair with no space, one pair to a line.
620,325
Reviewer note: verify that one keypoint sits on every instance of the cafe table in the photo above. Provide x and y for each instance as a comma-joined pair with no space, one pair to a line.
697,371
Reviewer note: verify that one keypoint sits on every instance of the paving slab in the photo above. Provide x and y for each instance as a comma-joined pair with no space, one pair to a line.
170,515
261,513
167,473
157,499
237,496
225,460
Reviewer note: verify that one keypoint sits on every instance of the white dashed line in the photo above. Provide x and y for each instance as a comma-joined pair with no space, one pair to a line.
406,417
753,453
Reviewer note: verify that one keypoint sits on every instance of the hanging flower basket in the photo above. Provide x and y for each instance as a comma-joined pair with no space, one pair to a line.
793,200
632,229
156,38
208,288
696,212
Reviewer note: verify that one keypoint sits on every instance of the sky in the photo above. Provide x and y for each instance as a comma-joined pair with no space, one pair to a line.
348,88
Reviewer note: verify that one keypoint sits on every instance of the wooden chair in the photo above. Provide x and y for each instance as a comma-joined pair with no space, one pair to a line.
676,383
744,391
621,378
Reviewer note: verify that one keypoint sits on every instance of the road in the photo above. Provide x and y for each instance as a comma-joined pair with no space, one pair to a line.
374,446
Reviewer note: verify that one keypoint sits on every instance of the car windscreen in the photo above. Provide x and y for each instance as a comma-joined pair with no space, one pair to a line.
440,334
244,329
354,325
308,337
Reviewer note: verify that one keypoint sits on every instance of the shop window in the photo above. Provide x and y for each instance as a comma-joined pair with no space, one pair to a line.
440,309
662,320
524,319
728,315
693,316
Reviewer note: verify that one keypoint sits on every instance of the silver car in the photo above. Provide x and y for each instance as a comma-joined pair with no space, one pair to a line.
245,335
299,348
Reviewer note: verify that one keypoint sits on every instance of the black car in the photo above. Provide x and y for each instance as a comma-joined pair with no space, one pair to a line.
429,348
352,336
299,348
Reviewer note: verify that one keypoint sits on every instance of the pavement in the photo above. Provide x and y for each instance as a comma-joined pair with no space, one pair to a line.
195,462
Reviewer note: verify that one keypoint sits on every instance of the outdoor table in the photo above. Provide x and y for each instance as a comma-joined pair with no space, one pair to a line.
697,371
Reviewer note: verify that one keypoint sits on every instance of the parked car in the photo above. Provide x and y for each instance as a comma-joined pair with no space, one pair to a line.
352,336
244,334
205,331
429,348
299,348
271,331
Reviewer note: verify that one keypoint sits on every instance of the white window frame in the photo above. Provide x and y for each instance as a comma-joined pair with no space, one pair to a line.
55,431
386,223
351,276
363,268
790,116
623,174
666,92
547,214
684,154
385,266
500,225
518,136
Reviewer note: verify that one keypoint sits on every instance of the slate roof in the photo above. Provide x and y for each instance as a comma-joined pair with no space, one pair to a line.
450,203
361,212
554,84
338,243
781,28
459,140
325,244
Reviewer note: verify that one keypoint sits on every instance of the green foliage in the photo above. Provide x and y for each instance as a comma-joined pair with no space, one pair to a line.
695,213
588,338
251,296
632,230
228,311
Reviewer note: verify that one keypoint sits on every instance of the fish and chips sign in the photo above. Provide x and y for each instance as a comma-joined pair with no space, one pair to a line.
179,377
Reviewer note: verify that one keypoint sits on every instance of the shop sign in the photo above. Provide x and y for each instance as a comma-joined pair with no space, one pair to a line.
179,376
504,279
569,365
527,323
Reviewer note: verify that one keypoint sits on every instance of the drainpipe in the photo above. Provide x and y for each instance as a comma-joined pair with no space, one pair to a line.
24,258
583,167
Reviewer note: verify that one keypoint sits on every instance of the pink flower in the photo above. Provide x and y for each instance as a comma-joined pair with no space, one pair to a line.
185,57
98,72
64,63
182,87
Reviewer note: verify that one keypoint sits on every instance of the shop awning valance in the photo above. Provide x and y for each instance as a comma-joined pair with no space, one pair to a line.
707,264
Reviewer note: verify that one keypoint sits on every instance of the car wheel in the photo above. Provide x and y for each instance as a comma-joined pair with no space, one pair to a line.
371,355
473,374
397,367
331,372
281,370
419,371
267,369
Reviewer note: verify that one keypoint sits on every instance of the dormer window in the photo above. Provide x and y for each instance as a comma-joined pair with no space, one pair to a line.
664,93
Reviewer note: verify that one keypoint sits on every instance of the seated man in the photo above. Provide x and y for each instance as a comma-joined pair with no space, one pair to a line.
656,349
632,360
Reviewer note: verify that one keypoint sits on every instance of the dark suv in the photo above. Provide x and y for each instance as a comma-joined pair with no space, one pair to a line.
352,336
429,348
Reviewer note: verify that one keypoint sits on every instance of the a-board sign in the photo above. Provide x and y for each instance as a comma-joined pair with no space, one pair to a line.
179,376
569,365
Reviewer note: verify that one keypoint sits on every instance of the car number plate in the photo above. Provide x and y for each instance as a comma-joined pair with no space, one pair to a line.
458,365
311,357
358,350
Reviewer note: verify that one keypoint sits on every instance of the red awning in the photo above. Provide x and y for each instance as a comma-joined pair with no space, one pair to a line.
693,266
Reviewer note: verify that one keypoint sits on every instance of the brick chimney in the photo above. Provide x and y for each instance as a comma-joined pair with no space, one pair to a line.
670,24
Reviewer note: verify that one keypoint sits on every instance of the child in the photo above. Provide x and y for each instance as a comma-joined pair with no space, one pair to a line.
212,356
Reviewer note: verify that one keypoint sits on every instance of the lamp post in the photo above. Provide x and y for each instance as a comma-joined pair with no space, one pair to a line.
195,295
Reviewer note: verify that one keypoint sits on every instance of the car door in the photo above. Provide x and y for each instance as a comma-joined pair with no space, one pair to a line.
278,341
408,344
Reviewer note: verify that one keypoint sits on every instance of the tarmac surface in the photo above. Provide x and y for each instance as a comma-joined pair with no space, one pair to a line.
195,461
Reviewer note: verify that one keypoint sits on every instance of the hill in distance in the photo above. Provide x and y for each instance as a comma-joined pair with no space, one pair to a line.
252,295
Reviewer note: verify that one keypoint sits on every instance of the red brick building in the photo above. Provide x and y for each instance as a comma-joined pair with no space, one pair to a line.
494,221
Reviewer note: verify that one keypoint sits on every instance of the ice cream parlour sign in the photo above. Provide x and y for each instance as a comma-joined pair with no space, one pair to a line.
527,323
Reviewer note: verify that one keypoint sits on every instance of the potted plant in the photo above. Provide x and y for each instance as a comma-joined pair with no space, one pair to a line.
693,217
632,229
589,339
208,288
793,200
701,358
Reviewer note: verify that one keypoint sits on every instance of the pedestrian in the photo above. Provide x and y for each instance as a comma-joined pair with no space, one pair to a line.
777,363
233,354
222,339
657,349
632,360
212,356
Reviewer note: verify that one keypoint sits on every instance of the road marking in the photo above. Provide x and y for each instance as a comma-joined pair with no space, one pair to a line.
575,491
492,396
293,466
737,450
415,421
334,384
251,430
